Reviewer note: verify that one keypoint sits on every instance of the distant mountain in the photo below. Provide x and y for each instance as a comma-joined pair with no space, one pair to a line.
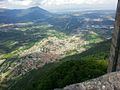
23,15
84,20
99,21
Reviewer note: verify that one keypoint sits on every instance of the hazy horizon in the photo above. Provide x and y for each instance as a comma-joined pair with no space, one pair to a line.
60,5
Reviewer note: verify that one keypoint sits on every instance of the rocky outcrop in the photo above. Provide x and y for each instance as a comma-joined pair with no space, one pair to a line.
114,60
107,82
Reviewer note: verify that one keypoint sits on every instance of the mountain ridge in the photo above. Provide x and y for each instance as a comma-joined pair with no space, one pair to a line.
23,15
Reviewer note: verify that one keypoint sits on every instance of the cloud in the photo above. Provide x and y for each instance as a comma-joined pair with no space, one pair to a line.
78,4
20,2
58,4
15,3
69,2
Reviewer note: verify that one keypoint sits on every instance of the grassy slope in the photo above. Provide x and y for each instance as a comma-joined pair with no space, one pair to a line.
19,39
72,69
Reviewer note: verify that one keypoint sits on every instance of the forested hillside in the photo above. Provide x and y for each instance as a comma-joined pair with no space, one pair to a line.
72,69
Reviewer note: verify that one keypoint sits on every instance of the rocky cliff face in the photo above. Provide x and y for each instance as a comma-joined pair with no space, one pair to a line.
107,82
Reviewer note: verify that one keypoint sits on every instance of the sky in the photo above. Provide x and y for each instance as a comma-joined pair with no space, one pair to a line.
56,5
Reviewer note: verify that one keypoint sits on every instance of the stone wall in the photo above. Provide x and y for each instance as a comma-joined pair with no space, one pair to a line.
107,82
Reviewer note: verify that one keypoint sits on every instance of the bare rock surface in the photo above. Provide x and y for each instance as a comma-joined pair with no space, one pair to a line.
109,81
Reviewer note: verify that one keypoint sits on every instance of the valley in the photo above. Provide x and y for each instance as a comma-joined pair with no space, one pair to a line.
28,44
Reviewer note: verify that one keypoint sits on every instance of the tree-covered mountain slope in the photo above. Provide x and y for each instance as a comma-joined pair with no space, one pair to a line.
23,15
72,69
